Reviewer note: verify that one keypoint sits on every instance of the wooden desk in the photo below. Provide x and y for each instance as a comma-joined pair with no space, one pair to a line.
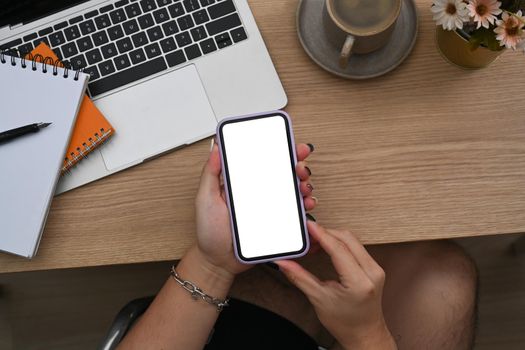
424,152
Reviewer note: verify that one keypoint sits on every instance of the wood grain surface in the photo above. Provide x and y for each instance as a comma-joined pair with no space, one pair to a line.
428,151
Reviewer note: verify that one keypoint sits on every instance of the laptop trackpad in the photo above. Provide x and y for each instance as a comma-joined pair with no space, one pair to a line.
156,116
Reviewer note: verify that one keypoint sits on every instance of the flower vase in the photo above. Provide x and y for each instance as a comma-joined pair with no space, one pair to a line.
456,49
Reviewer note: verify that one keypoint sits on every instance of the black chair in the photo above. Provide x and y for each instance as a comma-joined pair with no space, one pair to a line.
125,319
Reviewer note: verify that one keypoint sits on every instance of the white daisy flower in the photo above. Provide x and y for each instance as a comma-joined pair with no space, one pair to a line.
451,14
509,30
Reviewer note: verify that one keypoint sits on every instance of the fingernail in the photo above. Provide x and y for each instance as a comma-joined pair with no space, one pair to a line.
273,265
310,217
309,171
315,199
312,148
212,143
310,187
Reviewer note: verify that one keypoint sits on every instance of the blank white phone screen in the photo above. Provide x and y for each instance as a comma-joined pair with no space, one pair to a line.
262,184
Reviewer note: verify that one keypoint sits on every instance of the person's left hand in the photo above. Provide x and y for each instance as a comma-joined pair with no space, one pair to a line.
214,237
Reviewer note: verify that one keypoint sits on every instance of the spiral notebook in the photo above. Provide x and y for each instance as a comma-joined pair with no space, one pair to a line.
91,129
30,165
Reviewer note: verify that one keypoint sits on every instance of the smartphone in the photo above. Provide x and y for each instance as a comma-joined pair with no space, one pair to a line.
262,189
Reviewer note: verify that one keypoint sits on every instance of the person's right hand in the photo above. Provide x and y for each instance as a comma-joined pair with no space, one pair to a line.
350,308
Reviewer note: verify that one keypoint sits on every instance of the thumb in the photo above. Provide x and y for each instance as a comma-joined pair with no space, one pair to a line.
299,277
210,178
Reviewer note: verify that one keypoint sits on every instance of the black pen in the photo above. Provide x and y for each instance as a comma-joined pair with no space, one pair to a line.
14,133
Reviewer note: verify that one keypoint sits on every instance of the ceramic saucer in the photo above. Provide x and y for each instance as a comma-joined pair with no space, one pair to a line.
312,36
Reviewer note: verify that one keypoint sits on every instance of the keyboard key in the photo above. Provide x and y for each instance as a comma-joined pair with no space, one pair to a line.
223,24
115,32
100,38
105,68
221,9
152,50
60,25
93,73
69,49
148,5
78,62
130,27
201,16
11,44
122,62
30,37
170,28
91,14
207,2
40,40
168,45
102,21
87,27
140,39
118,16
223,40
175,58
72,33
238,34
127,76
161,3
161,15
57,39
185,22
133,10
45,31
137,56
193,51
94,56
109,50
106,8
208,46
9,52
198,33
121,3
155,33
176,10
183,39
25,49
76,20
57,52
84,44
191,5
146,21
124,45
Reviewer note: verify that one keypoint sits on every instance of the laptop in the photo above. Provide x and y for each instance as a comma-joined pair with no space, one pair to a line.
164,72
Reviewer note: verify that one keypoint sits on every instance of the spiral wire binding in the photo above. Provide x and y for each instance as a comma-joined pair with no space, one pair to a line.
73,158
13,54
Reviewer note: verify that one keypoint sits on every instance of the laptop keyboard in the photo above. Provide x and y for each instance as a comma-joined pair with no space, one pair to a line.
126,41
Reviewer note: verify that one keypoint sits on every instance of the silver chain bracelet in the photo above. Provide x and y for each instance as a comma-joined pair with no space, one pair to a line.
197,293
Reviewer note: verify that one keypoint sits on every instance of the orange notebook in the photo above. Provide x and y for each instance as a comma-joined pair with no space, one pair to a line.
91,129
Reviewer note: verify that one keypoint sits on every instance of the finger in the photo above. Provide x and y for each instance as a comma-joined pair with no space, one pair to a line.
306,188
314,248
302,279
303,150
210,177
310,203
369,265
303,171
346,265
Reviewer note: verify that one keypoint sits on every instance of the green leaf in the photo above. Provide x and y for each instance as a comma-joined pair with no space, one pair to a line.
485,37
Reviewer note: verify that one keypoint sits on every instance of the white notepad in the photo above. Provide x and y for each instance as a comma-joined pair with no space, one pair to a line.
30,165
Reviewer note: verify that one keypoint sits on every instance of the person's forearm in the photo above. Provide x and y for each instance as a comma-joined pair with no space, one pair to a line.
176,321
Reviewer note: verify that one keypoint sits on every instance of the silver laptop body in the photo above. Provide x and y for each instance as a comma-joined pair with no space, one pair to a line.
163,72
